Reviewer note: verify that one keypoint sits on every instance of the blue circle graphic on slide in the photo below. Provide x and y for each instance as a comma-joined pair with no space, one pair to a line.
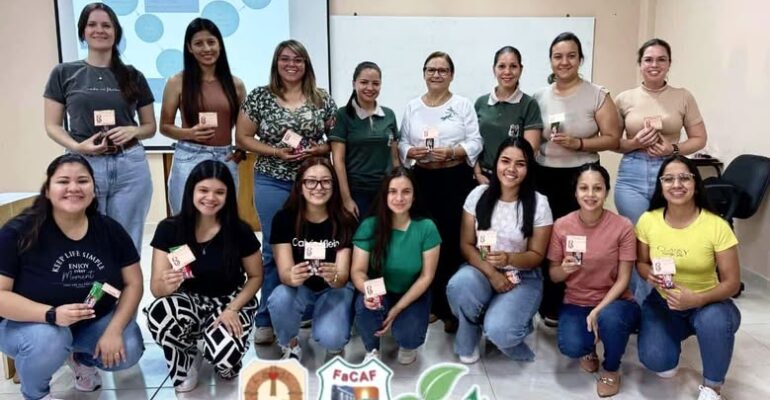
224,15
169,62
256,4
149,28
122,45
122,7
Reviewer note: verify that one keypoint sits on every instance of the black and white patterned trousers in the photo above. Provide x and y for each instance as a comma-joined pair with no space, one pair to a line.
179,320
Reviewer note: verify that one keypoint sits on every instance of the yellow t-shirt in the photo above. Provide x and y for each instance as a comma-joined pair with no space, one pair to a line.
693,248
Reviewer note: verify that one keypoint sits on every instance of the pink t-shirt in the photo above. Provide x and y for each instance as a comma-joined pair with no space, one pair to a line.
607,243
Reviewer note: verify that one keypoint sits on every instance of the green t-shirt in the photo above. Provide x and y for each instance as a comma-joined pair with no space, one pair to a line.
495,123
367,147
403,262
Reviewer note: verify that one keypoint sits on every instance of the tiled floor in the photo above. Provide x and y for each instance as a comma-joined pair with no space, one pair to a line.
551,376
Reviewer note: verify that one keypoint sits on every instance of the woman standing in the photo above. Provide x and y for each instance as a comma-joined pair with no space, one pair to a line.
682,231
597,304
440,139
55,255
401,246
101,96
500,289
311,239
364,141
290,116
653,116
203,88
214,298
505,112
580,121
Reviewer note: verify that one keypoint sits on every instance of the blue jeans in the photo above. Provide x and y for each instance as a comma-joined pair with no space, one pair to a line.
269,196
124,189
409,328
186,156
506,317
616,323
332,314
39,350
663,330
633,191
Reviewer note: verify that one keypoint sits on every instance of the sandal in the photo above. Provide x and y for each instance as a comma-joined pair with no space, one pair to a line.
590,362
608,384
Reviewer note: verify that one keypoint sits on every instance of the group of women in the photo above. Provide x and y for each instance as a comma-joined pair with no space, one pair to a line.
522,168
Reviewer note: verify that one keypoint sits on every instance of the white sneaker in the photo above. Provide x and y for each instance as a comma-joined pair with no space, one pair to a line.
707,393
668,374
48,397
192,375
372,355
263,335
472,358
87,379
334,353
292,352
405,356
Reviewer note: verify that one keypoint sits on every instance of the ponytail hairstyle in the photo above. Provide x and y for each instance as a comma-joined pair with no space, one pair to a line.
653,42
526,203
349,110
192,98
125,75
33,217
383,224
595,167
564,37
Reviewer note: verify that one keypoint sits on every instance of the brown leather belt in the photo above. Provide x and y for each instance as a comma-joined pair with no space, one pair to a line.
440,164
114,149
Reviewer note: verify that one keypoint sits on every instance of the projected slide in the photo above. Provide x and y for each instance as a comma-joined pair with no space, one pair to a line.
153,36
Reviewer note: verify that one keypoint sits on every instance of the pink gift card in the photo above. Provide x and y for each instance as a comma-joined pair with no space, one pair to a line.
104,117
291,138
180,256
208,119
374,288
663,266
111,290
654,122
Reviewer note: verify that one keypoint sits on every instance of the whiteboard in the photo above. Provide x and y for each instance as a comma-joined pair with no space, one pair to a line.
399,46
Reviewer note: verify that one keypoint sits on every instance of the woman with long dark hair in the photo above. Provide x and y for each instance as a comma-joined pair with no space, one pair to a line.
364,141
597,304
311,239
580,121
284,123
213,296
100,96
690,256
500,286
205,88
59,257
400,245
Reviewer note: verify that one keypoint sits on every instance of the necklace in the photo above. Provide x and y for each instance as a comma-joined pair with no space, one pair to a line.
205,245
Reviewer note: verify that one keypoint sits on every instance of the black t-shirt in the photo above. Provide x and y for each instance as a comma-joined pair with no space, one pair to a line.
58,270
211,277
283,232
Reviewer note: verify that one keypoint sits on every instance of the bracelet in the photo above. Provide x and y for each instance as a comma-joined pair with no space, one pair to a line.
454,154
336,277
580,148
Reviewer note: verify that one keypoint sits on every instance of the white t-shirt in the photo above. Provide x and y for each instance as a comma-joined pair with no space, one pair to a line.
507,219
454,120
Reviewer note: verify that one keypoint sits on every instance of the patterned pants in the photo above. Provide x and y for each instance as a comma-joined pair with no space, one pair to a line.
179,320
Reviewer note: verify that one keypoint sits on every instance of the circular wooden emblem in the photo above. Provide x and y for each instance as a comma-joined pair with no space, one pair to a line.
271,376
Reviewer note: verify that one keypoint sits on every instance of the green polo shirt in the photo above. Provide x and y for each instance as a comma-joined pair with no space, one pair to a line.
495,122
367,147
403,262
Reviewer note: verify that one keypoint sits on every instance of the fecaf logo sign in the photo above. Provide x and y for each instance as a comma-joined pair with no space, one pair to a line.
343,381
267,380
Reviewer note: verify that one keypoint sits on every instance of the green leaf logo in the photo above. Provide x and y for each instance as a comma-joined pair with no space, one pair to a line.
437,382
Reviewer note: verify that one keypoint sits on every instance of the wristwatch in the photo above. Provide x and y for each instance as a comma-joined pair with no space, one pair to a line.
676,149
50,316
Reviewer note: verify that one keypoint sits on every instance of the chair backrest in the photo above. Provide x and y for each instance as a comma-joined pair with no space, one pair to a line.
751,174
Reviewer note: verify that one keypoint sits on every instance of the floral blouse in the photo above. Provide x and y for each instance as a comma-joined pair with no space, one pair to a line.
309,121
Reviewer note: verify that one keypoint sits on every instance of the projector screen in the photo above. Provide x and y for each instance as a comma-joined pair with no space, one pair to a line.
153,38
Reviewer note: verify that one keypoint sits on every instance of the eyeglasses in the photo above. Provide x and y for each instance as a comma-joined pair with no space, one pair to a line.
291,60
683,178
658,60
441,71
313,183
